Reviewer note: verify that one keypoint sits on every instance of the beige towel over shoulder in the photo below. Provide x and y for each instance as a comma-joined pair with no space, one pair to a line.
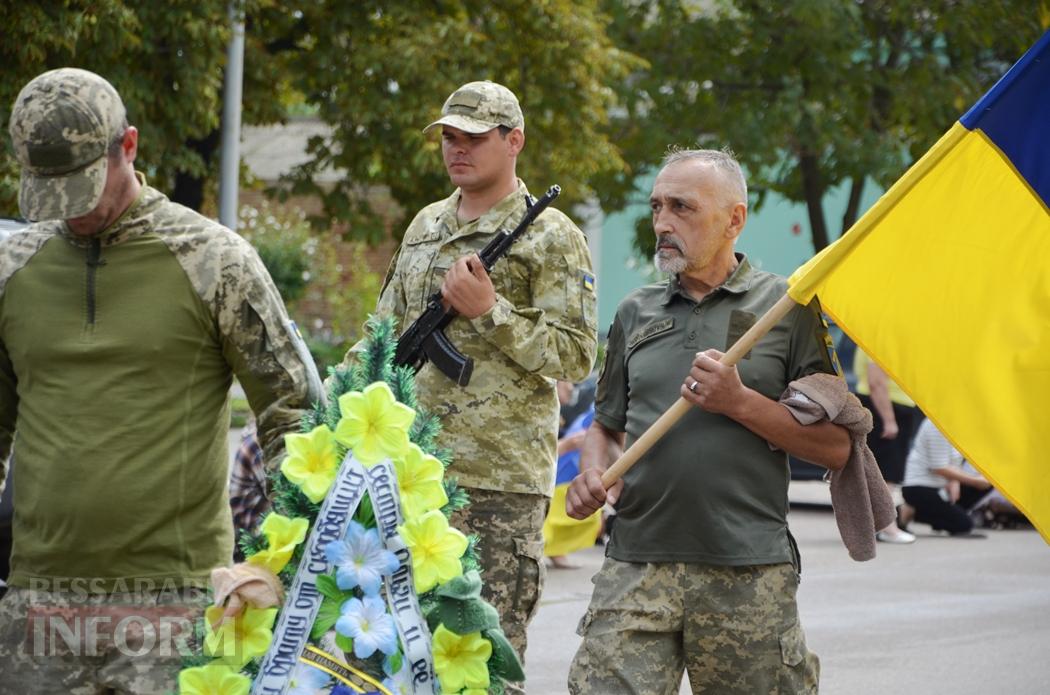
860,498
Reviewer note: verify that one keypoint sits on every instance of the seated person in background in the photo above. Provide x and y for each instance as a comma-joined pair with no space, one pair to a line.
940,486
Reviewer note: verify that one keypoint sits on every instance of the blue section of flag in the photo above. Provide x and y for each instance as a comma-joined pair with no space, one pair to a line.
1015,115
569,462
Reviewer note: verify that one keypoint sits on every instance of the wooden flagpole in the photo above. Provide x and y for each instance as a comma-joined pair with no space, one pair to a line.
682,406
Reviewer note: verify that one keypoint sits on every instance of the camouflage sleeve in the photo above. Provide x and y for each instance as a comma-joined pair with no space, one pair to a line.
8,412
265,350
557,336
392,293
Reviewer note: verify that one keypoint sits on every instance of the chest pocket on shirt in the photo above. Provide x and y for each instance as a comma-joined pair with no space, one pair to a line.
740,322
511,278
418,270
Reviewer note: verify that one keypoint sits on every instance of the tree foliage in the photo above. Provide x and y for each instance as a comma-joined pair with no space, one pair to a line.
810,94
329,288
165,58
378,72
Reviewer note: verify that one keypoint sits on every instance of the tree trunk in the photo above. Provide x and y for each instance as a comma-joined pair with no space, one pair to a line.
856,189
813,189
189,189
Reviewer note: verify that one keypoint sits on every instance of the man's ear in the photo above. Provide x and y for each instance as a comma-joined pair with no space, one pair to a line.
516,141
130,145
737,220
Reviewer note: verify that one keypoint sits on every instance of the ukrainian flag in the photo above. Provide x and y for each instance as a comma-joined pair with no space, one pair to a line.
945,282
561,533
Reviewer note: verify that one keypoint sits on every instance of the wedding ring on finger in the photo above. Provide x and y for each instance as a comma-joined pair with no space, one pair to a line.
692,386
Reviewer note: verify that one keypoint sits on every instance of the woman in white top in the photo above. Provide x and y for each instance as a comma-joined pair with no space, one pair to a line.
940,485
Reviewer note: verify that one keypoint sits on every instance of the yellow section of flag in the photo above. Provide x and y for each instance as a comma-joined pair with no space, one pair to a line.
945,283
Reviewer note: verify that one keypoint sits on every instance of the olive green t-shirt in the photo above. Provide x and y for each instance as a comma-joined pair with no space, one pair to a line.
710,491
116,356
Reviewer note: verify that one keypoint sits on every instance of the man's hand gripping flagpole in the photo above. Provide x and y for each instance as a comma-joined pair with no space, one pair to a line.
682,406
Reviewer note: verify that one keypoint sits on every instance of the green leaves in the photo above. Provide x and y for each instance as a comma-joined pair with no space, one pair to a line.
379,72
327,615
459,607
346,644
327,586
329,612
809,94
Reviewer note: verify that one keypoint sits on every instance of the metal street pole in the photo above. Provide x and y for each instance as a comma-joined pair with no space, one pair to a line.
230,162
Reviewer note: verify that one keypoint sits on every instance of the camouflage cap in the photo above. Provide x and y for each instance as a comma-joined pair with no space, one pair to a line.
478,107
62,124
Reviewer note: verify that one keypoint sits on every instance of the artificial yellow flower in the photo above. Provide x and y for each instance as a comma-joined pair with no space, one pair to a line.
213,679
374,424
435,547
312,461
239,639
282,535
419,477
460,661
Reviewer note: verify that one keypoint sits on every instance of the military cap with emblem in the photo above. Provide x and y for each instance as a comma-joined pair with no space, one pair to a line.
478,107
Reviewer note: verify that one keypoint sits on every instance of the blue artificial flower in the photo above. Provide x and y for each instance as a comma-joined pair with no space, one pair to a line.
400,683
307,680
370,626
360,559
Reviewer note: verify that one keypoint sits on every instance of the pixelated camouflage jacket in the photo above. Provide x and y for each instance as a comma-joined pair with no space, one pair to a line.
117,354
502,427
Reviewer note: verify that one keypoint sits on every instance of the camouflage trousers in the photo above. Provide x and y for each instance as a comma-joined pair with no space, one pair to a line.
732,629
93,644
511,529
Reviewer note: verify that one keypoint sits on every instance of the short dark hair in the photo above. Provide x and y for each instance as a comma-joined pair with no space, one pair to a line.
504,131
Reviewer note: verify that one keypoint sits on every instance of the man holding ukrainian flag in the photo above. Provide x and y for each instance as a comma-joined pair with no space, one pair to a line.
964,326
701,569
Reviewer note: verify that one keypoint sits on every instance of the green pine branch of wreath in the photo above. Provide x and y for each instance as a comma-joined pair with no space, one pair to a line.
471,653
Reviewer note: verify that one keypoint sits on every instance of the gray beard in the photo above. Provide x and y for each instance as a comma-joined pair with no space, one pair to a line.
670,263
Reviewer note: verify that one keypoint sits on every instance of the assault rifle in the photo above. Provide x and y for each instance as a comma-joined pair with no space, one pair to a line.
425,339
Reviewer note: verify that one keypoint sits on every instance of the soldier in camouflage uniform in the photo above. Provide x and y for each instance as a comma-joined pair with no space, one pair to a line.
701,571
123,319
528,324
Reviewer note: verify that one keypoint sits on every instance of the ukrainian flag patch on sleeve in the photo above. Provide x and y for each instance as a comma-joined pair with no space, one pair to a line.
588,280
833,356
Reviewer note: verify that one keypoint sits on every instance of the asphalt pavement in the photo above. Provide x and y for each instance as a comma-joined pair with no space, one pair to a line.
942,615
